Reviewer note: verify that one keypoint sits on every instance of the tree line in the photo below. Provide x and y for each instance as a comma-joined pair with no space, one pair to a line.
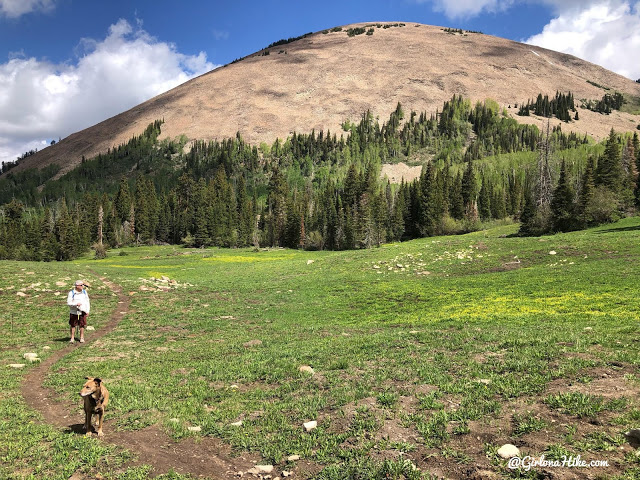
558,107
320,190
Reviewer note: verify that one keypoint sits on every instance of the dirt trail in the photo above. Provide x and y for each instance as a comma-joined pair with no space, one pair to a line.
206,457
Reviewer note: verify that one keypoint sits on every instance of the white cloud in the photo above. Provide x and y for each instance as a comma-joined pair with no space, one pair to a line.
456,9
40,101
220,34
605,32
17,8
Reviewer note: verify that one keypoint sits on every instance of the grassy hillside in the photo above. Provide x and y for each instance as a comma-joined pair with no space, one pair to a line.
431,353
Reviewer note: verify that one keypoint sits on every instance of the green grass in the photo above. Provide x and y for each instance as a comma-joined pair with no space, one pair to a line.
399,338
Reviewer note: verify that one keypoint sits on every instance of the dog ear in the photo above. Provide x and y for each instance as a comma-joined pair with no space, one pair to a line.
97,380
88,378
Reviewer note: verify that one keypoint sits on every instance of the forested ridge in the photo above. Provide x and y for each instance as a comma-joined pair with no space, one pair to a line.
322,190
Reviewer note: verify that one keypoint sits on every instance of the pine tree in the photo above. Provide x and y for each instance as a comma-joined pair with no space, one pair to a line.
14,227
586,193
131,232
498,205
122,200
201,215
277,208
65,233
469,188
456,202
527,218
397,217
352,190
100,224
49,244
426,215
484,201
609,172
562,203
245,214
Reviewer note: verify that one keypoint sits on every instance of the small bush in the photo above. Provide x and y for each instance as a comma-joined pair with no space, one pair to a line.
101,251
451,226
352,32
603,207
314,241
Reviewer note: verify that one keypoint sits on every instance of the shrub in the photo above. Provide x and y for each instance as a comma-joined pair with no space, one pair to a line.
313,241
355,31
101,251
451,226
603,207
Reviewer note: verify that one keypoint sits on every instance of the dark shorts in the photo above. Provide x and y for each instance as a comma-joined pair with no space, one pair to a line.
78,320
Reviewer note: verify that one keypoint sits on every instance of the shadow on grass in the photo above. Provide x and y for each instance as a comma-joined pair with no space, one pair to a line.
76,428
62,339
619,229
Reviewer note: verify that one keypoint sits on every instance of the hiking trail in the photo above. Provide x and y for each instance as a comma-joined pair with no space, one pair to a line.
204,457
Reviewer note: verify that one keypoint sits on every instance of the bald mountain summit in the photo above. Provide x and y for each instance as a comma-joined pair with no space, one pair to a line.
340,139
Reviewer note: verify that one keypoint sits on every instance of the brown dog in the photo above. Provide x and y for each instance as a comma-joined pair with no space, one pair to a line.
96,398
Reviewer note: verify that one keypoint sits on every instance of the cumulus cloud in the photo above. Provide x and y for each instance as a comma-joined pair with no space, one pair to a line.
17,8
41,101
603,32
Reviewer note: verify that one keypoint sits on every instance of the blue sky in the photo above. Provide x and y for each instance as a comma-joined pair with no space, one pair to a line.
68,64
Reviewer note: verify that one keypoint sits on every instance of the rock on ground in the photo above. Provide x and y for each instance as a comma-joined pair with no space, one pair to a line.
508,451
308,426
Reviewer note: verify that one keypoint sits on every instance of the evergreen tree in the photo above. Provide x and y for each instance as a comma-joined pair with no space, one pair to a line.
484,201
426,214
14,227
498,205
122,200
352,190
201,215
609,172
456,201
527,218
245,214
277,208
397,217
146,206
49,243
586,193
469,187
562,203
65,233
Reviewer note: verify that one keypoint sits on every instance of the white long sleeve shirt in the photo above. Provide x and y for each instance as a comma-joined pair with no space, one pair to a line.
76,297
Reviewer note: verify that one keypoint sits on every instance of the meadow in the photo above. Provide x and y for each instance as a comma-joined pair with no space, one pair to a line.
426,357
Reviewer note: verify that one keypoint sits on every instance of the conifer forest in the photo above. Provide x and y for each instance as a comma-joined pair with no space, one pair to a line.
323,190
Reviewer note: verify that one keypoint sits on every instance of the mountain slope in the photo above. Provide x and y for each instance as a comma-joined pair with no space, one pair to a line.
323,79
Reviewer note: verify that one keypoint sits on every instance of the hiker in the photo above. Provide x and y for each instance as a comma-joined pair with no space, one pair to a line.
79,306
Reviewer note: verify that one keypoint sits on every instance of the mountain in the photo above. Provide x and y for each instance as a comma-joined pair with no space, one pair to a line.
322,79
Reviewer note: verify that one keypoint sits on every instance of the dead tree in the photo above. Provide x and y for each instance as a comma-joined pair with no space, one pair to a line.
544,188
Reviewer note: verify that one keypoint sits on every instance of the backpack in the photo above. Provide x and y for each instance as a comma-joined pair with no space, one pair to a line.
73,293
